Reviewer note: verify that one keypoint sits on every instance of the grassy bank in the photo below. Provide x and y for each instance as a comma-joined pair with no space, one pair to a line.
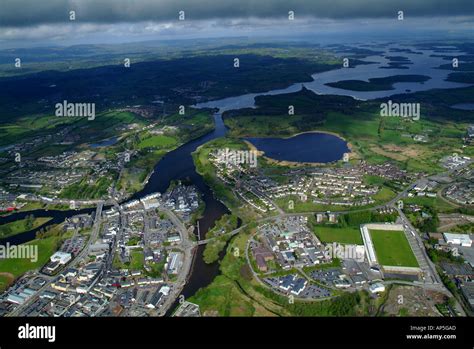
20,226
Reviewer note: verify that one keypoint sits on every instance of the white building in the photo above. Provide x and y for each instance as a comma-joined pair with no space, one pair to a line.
421,186
369,246
458,239
377,288
174,262
165,290
150,203
61,257
173,238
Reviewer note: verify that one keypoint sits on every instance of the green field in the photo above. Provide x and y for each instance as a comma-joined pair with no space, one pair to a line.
346,235
17,267
224,298
236,293
384,195
85,190
21,226
372,137
392,248
157,142
436,203
137,260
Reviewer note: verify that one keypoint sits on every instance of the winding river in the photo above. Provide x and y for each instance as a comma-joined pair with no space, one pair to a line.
178,164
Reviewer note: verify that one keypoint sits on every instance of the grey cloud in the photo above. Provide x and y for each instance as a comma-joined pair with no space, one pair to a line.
22,13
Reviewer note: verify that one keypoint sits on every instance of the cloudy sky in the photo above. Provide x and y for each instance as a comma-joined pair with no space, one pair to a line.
39,21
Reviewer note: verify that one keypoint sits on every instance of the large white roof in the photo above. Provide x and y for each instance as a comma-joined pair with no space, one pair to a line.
463,238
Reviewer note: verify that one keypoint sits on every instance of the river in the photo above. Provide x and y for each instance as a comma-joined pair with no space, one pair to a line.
178,164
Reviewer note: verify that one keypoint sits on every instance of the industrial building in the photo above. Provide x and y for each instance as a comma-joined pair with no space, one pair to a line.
458,239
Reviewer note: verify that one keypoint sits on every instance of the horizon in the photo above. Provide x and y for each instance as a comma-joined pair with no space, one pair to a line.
66,23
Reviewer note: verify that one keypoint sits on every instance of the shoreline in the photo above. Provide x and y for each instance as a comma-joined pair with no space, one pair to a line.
298,163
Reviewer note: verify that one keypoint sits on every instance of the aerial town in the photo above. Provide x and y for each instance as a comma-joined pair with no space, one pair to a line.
128,260
309,161
134,258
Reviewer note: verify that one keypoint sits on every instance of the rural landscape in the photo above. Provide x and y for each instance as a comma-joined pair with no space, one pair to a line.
174,165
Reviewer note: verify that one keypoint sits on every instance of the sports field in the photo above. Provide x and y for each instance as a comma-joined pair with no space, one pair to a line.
392,248
157,142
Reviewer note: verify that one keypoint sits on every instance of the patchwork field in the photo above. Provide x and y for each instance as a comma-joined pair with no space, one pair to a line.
392,248
372,137
17,267
347,235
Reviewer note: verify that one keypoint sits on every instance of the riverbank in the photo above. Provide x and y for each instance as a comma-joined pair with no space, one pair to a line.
21,226
175,165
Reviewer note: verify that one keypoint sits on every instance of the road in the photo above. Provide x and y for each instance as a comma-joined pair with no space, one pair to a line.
187,247
425,262
416,243
432,279
93,237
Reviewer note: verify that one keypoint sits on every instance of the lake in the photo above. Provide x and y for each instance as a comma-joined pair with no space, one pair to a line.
463,106
421,64
306,147
104,143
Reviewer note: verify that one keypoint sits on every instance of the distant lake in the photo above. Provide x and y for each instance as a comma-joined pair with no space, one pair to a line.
104,143
422,63
463,106
306,147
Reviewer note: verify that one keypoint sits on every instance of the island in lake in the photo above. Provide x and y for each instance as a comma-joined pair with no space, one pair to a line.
377,84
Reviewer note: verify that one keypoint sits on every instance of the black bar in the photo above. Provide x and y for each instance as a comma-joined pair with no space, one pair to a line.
203,332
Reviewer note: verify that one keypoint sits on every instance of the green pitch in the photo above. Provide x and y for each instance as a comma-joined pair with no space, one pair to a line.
392,248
